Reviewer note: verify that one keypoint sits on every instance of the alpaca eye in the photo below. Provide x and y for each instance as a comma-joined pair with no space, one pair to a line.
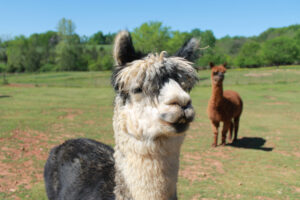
215,73
137,90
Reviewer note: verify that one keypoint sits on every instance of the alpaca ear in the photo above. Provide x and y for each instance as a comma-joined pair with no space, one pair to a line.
123,49
211,64
189,50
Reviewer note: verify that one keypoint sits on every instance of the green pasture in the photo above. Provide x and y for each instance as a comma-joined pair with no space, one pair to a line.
39,111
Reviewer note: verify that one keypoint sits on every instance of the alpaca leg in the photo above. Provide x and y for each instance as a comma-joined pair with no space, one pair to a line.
226,126
236,127
215,126
230,132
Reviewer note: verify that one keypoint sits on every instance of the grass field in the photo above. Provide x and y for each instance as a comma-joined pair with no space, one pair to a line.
38,111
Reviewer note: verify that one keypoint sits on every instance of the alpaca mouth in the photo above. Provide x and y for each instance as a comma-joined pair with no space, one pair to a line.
182,124
219,78
180,127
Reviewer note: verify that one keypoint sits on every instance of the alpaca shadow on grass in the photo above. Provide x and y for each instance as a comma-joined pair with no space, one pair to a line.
4,96
251,143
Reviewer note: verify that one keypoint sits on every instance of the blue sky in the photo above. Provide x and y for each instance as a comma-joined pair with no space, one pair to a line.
223,17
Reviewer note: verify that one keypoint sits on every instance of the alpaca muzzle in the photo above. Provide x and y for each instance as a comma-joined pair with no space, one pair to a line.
189,113
181,119
218,77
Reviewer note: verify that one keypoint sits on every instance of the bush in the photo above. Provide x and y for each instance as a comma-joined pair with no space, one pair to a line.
104,62
211,55
3,67
280,51
249,55
48,68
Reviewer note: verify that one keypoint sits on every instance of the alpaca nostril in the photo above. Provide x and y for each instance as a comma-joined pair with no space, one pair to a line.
187,105
189,114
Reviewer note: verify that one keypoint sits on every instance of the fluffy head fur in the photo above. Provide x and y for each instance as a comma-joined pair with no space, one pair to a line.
217,73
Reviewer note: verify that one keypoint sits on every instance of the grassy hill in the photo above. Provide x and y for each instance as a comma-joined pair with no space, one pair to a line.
269,75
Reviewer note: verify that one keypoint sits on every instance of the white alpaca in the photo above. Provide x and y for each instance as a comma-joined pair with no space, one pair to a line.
152,111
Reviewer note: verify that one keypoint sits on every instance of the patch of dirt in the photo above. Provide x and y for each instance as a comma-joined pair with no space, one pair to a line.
297,189
297,154
58,128
284,153
195,171
201,166
90,122
263,198
71,114
22,158
258,75
270,97
198,197
194,130
218,165
20,85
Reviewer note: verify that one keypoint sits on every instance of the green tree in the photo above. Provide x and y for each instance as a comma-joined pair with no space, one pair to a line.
176,41
212,55
109,38
230,45
249,55
152,36
104,62
196,33
280,51
69,50
69,57
208,38
16,54
3,56
297,41
30,54
98,38
66,27
289,31
99,59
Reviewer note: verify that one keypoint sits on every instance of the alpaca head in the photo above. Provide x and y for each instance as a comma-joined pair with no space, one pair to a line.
217,73
152,92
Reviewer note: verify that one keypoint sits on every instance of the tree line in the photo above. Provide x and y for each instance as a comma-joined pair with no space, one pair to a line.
65,50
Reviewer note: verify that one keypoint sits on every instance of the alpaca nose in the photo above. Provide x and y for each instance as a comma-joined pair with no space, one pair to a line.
221,75
188,112
187,105
183,100
178,112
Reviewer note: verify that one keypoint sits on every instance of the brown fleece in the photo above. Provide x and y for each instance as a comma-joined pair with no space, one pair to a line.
224,106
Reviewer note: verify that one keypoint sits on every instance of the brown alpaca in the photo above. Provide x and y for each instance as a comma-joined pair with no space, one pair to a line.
224,106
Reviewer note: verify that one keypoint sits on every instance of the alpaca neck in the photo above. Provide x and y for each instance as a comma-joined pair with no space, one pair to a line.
146,170
217,94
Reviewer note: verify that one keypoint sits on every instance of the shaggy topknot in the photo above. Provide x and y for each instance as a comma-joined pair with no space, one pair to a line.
150,73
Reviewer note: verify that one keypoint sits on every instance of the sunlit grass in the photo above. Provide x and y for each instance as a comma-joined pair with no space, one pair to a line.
80,104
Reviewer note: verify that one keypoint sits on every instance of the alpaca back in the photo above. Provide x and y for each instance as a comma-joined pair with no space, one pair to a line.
80,169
